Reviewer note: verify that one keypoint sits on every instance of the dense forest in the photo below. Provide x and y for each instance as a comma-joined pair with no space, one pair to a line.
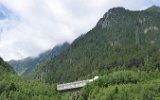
121,39
124,85
5,67
14,87
122,49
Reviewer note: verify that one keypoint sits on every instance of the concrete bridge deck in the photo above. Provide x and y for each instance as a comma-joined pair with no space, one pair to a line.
75,85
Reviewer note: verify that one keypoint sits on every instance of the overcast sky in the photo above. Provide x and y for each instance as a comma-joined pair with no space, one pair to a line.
38,25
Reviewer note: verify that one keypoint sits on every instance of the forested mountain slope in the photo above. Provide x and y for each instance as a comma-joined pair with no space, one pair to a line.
121,39
124,85
25,66
122,49
5,68
14,87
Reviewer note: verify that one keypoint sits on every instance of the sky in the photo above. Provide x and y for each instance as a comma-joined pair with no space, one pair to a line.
34,26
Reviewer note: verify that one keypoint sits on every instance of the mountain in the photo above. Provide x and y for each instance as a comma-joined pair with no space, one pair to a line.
154,8
14,87
5,67
121,39
25,66
123,49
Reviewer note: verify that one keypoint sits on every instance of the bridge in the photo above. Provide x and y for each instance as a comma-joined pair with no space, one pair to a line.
75,85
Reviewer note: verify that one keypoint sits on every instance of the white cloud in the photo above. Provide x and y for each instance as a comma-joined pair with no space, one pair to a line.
45,23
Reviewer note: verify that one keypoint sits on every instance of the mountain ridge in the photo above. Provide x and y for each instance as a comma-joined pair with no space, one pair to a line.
121,38
26,65
154,8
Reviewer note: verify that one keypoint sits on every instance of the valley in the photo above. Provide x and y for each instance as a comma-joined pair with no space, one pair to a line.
122,49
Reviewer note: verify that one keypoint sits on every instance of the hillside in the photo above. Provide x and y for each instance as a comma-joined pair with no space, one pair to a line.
25,66
5,68
13,87
124,85
122,49
122,39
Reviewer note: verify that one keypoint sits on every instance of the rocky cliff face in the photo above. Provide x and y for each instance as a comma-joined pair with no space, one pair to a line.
111,17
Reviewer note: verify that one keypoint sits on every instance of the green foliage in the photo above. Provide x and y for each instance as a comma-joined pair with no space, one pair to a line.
119,77
5,67
123,49
123,40
13,87
86,92
146,88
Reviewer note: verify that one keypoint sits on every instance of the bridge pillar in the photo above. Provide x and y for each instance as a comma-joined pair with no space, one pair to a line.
74,95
